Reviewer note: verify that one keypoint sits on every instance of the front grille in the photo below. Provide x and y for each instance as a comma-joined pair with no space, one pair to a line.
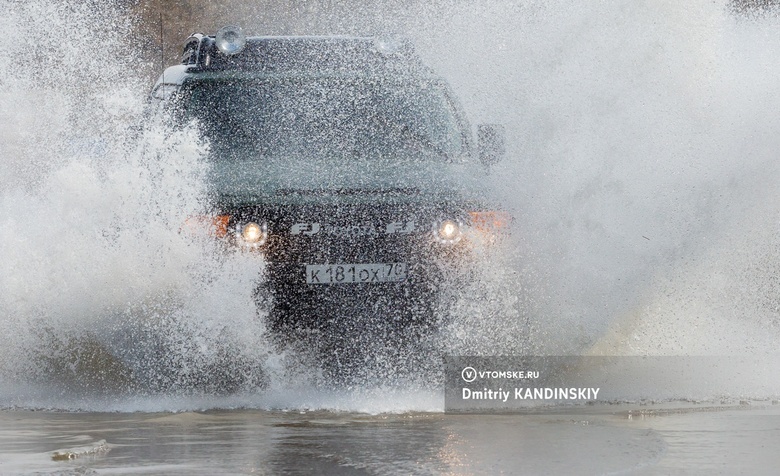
349,233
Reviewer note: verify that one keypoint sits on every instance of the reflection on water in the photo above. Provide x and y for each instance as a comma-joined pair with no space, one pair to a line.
595,440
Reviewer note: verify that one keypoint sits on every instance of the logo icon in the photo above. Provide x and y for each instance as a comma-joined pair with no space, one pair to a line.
400,227
305,228
469,374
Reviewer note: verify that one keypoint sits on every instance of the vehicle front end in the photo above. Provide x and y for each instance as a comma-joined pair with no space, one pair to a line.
349,167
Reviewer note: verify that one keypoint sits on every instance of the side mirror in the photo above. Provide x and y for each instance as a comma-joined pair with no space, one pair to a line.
491,143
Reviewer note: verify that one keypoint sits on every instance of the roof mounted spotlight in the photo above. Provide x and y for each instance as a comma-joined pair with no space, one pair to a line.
230,40
388,45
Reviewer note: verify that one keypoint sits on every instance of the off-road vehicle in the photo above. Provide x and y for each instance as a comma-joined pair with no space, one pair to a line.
350,167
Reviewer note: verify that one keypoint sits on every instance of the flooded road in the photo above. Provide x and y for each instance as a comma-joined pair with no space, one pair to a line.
611,439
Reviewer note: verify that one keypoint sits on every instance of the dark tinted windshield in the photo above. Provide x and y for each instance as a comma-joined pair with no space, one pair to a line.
326,118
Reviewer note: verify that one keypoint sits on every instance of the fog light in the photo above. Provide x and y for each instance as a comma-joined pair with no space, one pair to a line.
447,232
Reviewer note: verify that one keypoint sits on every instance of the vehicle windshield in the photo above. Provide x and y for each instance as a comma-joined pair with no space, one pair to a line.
326,118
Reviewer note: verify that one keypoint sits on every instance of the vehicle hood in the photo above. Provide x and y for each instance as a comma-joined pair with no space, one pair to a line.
243,181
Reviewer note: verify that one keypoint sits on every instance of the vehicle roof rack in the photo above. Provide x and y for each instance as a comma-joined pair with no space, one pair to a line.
288,53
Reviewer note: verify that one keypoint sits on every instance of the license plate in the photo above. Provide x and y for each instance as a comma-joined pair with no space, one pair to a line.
355,273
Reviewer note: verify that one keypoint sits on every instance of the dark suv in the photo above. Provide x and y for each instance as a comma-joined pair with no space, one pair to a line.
349,165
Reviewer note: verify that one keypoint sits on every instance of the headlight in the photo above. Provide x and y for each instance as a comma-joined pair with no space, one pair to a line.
447,231
491,221
216,226
489,226
253,234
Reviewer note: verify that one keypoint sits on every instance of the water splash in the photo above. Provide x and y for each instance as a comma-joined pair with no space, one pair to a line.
97,270
642,179
644,153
